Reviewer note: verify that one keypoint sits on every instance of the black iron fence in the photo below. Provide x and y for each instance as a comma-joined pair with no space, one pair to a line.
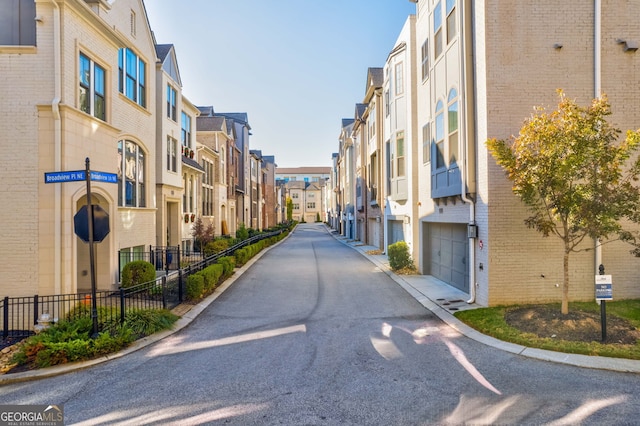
21,315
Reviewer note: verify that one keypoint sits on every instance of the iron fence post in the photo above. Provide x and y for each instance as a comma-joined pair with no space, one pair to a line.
121,305
164,292
180,285
5,318
35,309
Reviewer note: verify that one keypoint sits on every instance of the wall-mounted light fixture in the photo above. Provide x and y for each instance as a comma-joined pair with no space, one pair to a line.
629,45
472,230
557,46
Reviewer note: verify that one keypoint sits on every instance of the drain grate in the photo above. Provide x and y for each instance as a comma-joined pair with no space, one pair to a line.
456,301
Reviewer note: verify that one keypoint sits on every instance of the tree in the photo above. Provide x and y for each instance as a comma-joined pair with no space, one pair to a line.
203,235
569,169
289,208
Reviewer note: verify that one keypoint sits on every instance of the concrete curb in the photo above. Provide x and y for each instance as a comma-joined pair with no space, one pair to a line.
595,362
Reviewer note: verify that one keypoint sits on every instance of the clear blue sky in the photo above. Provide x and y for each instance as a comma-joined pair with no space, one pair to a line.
296,67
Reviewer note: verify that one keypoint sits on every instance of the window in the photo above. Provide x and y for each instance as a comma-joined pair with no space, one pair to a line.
372,121
171,102
294,195
440,135
186,130
92,93
426,143
184,193
386,103
311,195
17,23
223,170
373,177
451,20
131,171
296,206
131,77
311,205
452,118
207,188
399,77
400,154
172,154
437,30
190,193
425,59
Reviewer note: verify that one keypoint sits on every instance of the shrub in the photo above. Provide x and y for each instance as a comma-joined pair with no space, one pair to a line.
399,257
211,275
216,246
70,340
145,322
228,265
137,272
195,286
242,233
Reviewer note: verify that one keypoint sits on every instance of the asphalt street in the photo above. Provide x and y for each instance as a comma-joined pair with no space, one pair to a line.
315,334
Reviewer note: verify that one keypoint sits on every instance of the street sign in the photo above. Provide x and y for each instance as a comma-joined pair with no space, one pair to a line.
79,175
70,176
100,223
104,177
604,287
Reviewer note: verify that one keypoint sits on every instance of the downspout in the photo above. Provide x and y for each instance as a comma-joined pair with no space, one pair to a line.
597,79
57,148
464,159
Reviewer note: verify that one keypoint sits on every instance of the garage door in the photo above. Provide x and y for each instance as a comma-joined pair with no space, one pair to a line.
448,250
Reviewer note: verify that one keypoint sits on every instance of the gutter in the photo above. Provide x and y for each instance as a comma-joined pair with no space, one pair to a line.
57,148
464,158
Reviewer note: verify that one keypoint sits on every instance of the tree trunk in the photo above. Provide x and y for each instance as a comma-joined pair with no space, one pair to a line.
565,283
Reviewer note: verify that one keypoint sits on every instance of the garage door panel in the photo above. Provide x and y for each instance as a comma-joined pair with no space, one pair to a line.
448,251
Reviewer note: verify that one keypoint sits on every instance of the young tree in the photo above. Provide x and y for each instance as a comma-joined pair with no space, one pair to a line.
202,234
569,169
289,208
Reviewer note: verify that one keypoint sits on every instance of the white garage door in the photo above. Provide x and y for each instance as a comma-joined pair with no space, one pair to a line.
447,253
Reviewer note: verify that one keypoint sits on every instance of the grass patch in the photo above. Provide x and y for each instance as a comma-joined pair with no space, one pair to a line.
539,326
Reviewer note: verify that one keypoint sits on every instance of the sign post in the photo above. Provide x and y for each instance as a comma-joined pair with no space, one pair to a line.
103,229
604,292
92,259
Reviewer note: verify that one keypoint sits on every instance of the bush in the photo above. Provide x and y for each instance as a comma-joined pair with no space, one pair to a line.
137,272
228,265
70,340
216,246
195,286
399,257
242,233
211,275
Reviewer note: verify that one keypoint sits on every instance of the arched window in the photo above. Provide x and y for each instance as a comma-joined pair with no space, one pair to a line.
453,125
440,135
131,175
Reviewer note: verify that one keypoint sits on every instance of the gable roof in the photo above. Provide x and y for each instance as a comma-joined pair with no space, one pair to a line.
211,124
167,56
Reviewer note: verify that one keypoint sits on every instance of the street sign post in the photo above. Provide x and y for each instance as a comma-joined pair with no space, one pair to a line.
88,213
604,292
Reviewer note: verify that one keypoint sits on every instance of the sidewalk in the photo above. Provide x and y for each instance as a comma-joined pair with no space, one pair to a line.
443,300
